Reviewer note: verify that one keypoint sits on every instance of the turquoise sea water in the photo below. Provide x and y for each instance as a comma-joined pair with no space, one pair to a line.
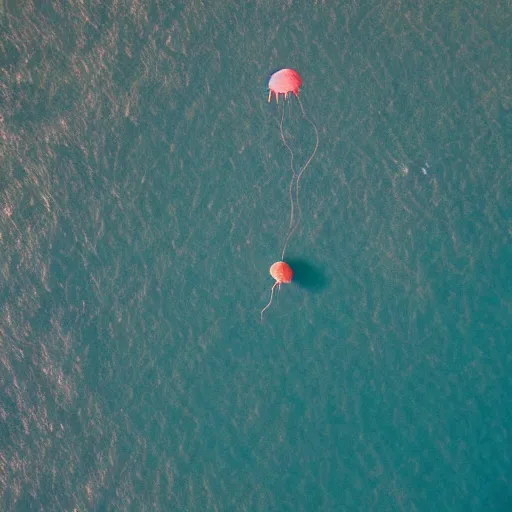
143,197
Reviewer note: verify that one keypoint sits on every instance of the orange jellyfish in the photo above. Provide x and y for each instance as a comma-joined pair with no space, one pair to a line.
283,274
284,81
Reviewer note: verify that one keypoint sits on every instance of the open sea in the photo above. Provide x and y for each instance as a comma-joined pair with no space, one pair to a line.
144,194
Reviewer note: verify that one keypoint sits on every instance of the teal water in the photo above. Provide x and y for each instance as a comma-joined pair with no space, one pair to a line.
143,197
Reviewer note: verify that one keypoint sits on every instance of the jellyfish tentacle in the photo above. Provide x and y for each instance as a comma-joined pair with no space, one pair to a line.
270,301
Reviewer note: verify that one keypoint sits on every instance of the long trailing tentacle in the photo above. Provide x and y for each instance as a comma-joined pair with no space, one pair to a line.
270,301
299,176
292,207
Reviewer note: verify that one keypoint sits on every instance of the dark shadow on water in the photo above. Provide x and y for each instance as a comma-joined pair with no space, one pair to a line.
307,275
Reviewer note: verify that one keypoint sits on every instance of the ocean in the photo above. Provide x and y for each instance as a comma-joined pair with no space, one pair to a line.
144,194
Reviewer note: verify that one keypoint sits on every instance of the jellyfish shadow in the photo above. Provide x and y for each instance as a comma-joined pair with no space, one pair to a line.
307,275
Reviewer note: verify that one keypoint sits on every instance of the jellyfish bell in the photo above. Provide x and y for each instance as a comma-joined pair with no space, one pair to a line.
284,82
281,272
